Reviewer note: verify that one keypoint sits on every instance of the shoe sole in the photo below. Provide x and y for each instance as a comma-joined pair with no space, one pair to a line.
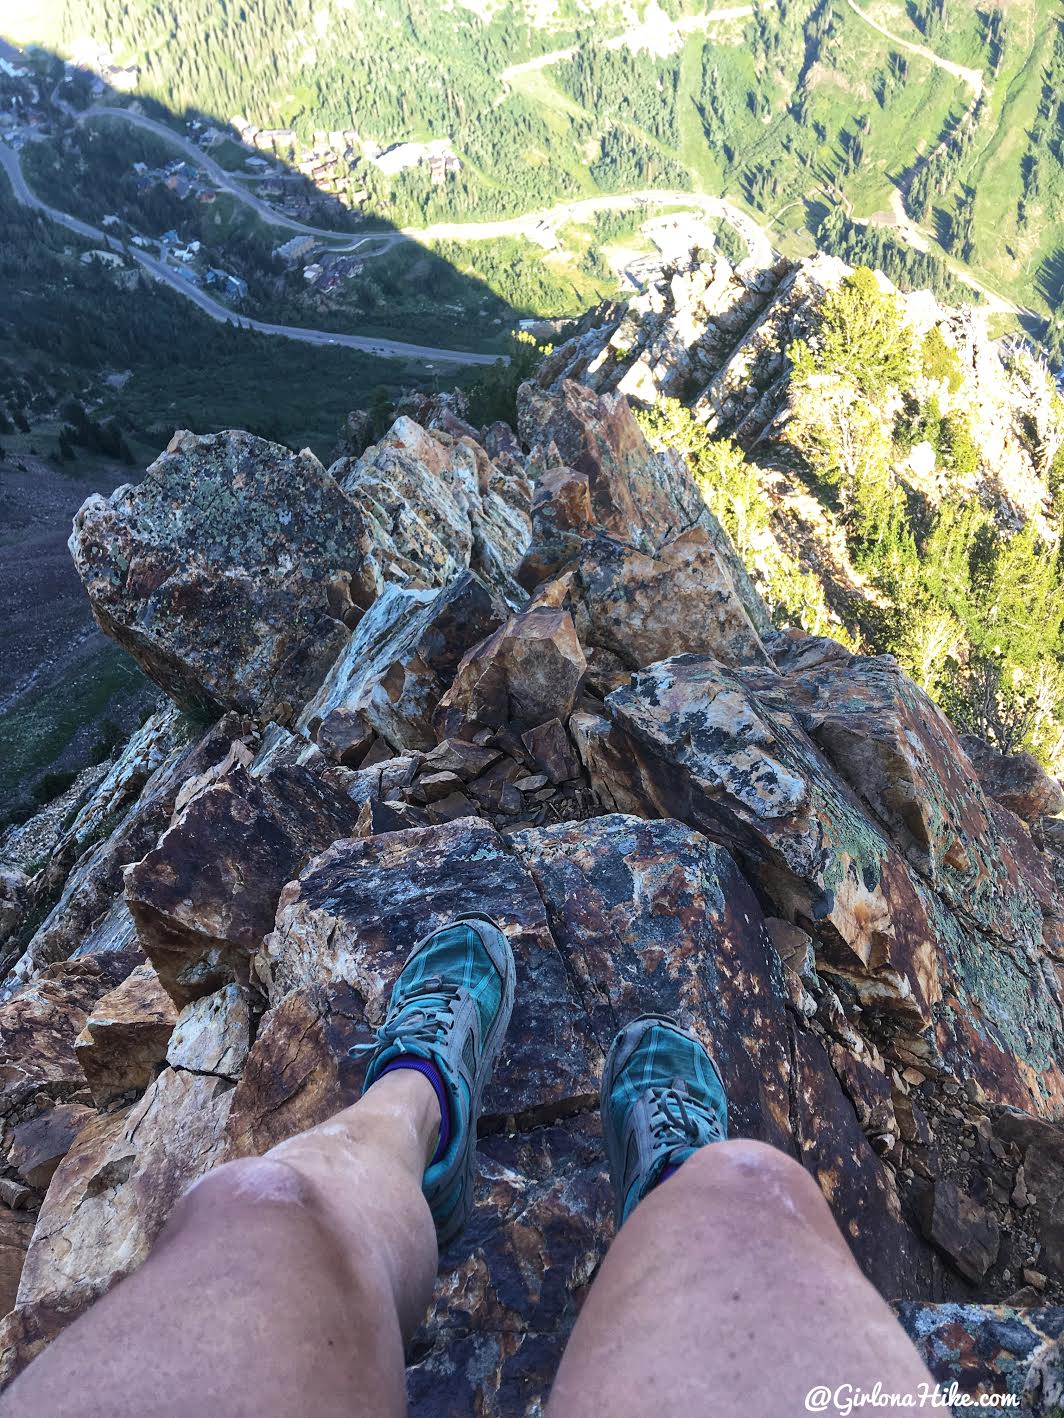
625,1043
500,952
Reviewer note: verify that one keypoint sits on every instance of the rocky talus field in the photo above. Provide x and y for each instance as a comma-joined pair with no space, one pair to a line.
524,671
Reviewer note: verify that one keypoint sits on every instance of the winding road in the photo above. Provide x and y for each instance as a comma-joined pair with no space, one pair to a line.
227,181
389,349
533,226
529,224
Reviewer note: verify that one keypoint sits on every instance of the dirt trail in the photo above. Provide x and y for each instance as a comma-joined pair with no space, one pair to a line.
972,77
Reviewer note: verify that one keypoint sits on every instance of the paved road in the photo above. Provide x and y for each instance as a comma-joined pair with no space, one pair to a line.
340,241
533,224
393,349
526,225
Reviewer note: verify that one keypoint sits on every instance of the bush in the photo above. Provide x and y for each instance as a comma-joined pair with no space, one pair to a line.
861,338
957,448
941,361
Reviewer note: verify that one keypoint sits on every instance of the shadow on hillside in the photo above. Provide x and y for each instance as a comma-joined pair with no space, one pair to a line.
142,357
1050,279
300,246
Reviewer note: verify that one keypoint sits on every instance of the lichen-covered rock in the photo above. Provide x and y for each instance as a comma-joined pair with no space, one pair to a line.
400,660
205,895
900,755
125,1036
527,672
644,608
885,1026
650,915
227,572
507,1297
728,754
980,1351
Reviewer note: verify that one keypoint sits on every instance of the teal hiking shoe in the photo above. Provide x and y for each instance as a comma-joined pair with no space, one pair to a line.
661,1100
450,1009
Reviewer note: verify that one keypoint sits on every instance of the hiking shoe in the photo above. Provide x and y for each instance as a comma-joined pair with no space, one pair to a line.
661,1100
451,1006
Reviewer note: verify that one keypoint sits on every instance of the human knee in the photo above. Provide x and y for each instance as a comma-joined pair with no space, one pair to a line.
246,1185
752,1174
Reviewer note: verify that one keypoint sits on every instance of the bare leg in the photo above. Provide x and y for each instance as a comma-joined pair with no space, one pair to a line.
730,1290
281,1285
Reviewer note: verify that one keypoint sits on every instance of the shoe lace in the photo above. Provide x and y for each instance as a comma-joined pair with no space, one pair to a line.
673,1111
426,1015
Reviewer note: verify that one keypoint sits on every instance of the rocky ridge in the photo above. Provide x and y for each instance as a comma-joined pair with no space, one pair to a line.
528,674
715,337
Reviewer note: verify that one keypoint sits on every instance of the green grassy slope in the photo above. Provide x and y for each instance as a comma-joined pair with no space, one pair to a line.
792,108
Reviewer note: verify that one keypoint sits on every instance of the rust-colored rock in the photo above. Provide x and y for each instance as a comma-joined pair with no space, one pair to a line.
400,660
39,1145
205,896
507,1296
300,1071
357,910
728,754
652,916
16,1228
552,751
991,1350
832,1146
38,1067
125,1036
964,1230
109,1199
1042,1149
528,671
642,607
636,495
1016,780
89,891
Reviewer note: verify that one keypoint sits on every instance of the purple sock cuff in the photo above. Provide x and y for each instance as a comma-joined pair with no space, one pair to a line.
428,1070
667,1173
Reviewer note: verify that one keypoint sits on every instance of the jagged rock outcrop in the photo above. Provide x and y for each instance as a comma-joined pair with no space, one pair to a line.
398,665
572,713
205,895
233,573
